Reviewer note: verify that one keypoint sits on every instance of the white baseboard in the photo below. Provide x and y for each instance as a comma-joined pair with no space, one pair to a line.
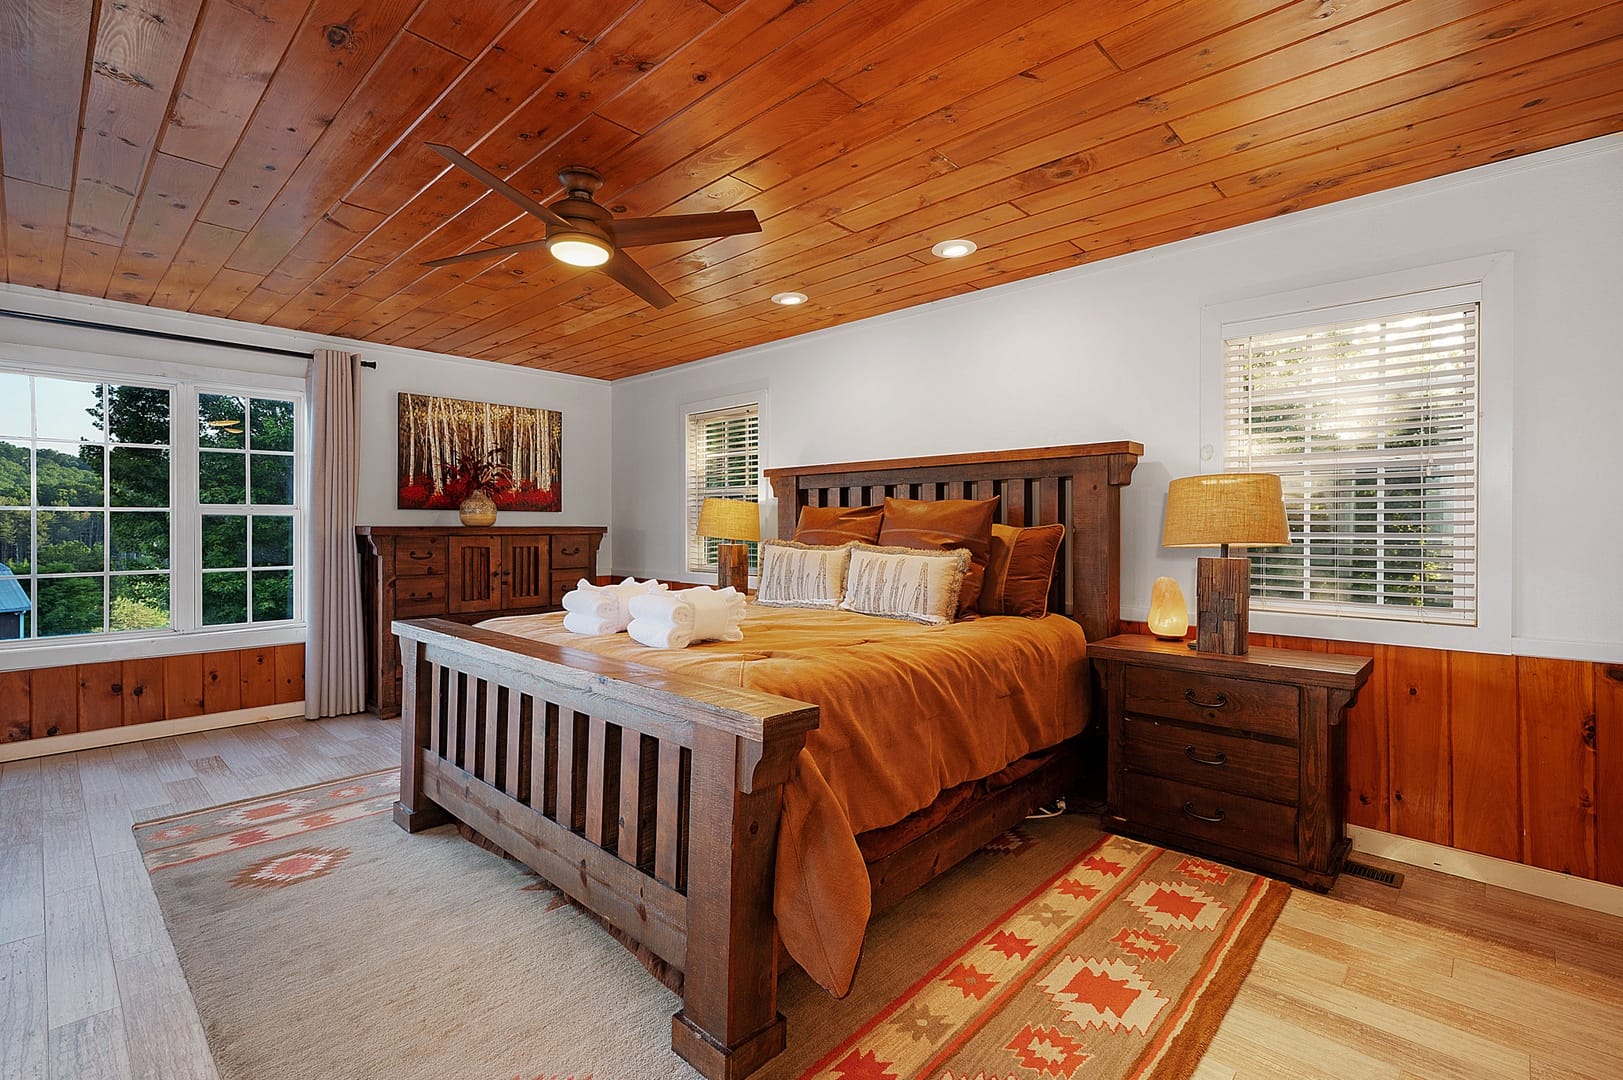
1518,877
157,729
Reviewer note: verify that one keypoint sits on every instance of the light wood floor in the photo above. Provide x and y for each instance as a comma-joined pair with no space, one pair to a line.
1443,978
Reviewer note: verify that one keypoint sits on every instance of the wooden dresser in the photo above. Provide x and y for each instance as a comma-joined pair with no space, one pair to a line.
1242,758
452,572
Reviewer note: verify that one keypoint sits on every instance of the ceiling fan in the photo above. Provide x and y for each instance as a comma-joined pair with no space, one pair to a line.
582,233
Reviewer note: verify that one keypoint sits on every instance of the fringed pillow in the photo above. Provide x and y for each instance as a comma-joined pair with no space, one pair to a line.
802,575
905,583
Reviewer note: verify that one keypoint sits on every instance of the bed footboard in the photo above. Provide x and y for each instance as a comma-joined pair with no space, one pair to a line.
649,798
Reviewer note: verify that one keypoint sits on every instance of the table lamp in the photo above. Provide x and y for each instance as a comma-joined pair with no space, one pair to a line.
730,519
1217,510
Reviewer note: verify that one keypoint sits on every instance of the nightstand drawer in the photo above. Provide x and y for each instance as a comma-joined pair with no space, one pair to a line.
1217,817
1224,762
416,596
571,551
418,557
1246,704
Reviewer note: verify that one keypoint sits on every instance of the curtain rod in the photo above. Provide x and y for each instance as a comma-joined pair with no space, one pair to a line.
83,324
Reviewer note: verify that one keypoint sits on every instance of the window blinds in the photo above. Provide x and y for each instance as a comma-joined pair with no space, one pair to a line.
1371,424
723,457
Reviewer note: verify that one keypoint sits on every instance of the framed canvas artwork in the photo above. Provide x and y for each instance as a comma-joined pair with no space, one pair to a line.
446,447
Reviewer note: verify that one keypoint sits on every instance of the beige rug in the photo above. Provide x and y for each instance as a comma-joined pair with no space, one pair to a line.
321,941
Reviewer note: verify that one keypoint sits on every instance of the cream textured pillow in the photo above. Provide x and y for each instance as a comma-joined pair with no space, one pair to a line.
802,575
905,583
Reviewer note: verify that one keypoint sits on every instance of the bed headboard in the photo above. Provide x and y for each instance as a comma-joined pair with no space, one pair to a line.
1079,486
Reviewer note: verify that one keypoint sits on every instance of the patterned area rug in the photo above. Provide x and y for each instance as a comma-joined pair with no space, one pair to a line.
320,940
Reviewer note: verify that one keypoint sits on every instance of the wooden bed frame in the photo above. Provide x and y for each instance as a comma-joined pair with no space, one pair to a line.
653,799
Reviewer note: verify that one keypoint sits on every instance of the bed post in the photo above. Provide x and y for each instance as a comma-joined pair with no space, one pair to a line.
729,1025
413,811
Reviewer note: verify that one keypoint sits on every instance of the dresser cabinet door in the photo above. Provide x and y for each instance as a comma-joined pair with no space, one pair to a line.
476,567
526,572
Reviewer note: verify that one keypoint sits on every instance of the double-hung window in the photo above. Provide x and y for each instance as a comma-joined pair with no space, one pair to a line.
723,462
133,507
1369,414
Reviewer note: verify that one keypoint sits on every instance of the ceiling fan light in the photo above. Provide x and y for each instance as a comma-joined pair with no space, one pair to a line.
953,249
578,248
789,299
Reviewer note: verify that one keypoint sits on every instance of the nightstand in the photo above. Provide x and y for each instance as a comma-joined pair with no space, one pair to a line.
1241,758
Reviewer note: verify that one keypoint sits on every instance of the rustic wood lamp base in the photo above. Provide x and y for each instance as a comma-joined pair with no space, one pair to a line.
733,566
1223,602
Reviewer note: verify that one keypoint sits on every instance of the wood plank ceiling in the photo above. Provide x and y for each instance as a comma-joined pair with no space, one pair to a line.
265,160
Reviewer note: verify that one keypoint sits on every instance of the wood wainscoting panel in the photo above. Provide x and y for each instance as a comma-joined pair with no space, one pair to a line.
55,693
1485,755
183,685
1369,784
144,691
289,673
1556,706
222,682
101,695
1417,716
16,717
1608,728
258,668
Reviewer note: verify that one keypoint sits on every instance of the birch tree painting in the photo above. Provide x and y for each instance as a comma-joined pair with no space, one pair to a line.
442,442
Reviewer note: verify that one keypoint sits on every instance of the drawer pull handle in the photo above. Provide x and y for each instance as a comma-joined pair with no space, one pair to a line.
1222,700
572,551
1219,758
420,558
1190,811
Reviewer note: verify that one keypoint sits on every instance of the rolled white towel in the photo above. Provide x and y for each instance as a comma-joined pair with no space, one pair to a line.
593,601
675,620
590,625
610,603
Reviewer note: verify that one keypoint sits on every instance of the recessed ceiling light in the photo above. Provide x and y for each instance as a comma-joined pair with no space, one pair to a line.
789,299
953,249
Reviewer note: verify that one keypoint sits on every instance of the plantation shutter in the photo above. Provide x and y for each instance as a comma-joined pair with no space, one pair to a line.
723,457
1370,420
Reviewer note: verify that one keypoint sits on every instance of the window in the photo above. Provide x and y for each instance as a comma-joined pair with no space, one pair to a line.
1368,413
723,462
137,508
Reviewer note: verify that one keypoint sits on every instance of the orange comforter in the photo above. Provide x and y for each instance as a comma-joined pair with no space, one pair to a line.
907,712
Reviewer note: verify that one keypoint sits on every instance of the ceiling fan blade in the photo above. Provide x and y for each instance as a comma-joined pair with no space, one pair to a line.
487,253
639,232
496,183
624,269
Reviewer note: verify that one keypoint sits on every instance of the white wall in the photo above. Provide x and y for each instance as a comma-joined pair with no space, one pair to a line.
1113,351
585,403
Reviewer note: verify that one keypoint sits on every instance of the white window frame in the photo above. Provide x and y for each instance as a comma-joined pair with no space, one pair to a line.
186,634
690,413
1492,276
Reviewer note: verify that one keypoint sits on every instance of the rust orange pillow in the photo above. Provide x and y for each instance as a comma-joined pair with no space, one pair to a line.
828,526
1020,570
944,524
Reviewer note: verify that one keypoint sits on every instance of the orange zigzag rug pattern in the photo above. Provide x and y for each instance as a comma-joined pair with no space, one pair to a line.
1119,968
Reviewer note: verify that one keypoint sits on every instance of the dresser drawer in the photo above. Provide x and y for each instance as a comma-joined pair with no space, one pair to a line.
571,552
1243,704
416,596
1241,824
1264,770
415,558
562,583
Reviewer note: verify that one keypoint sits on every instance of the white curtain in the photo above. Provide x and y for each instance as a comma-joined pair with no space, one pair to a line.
334,661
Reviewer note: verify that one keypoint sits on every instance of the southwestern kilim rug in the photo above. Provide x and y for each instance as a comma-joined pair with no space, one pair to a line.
321,941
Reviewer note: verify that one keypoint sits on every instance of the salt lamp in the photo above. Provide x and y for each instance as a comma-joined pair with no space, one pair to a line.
1169,614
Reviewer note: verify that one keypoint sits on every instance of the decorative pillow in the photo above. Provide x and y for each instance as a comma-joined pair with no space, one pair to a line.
947,523
839,524
802,575
905,583
1021,570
